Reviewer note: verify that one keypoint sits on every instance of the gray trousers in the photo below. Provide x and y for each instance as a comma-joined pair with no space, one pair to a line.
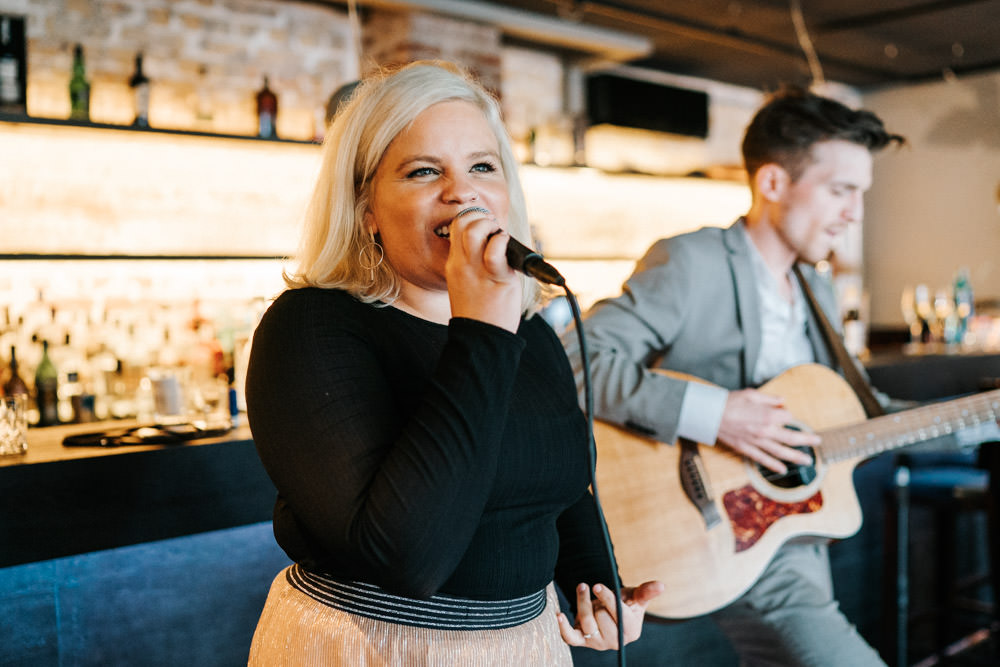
789,618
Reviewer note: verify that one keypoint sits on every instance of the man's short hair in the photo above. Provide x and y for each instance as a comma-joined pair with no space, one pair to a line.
784,130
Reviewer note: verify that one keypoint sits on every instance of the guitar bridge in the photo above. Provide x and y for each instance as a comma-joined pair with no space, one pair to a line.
694,482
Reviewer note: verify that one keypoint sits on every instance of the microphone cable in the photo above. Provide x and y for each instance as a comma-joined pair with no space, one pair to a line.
588,393
528,261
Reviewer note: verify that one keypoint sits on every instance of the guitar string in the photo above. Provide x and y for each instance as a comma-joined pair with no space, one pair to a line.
881,434
910,427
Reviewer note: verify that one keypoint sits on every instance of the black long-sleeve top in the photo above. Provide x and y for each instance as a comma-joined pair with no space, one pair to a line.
421,457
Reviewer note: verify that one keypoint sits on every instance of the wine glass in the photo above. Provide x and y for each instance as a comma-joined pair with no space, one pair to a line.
944,311
925,312
908,305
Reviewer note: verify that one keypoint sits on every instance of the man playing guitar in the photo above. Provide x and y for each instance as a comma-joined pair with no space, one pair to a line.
725,306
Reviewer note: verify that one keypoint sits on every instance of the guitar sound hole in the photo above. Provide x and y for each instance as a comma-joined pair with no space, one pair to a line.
797,475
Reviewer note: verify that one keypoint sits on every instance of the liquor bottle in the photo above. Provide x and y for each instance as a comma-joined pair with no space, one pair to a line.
79,87
13,65
139,83
74,380
855,333
267,112
47,389
964,304
14,384
203,113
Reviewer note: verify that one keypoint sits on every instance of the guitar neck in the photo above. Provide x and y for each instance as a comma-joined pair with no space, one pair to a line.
902,429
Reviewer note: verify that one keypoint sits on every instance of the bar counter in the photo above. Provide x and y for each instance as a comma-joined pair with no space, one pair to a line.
933,372
60,501
134,555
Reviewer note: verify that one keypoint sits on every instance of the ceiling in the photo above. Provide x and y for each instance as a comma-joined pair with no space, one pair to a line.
862,43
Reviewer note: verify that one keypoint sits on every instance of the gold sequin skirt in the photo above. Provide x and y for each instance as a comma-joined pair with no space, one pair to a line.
296,630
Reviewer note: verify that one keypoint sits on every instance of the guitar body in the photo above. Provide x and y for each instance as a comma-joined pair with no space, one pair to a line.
709,555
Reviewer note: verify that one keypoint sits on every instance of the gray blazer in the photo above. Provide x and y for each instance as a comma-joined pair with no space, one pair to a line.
690,306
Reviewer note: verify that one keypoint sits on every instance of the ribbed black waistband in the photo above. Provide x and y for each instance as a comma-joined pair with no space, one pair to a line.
442,612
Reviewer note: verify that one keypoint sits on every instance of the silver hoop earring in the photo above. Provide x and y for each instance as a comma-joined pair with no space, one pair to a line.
366,258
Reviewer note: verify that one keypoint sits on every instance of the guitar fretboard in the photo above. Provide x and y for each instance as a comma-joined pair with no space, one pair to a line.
910,427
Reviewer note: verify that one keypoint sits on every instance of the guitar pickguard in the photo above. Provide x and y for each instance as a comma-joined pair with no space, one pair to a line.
751,513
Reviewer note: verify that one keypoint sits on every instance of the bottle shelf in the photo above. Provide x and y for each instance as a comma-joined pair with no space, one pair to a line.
24,118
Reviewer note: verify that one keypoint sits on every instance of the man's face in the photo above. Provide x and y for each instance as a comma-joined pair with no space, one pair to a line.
817,208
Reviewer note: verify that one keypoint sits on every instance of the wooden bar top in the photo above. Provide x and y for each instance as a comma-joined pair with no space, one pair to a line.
45,444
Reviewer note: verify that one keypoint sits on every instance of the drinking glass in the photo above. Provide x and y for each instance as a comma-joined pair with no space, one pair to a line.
209,405
13,425
925,312
170,389
944,309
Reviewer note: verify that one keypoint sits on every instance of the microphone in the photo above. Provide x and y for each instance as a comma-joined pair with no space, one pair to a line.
527,261
522,258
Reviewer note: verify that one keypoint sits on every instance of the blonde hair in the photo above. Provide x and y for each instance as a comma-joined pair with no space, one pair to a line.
335,236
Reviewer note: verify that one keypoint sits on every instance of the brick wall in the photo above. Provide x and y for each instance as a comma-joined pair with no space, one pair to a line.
208,58
207,55
532,86
399,37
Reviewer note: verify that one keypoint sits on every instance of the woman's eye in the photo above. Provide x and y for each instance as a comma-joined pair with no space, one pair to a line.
483,167
422,171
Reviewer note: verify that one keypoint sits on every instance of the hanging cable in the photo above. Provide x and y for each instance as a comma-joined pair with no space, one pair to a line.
592,451
355,22
802,33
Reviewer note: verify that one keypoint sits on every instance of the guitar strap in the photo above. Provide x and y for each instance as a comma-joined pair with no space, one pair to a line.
836,346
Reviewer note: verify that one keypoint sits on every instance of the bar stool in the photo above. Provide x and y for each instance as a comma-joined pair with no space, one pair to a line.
949,484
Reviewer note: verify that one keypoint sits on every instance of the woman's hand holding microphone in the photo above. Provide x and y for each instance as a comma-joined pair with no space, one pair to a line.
481,284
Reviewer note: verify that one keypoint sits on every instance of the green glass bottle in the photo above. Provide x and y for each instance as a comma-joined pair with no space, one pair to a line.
964,305
47,389
79,87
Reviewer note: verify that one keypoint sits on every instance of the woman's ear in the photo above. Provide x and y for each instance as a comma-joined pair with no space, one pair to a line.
369,223
772,182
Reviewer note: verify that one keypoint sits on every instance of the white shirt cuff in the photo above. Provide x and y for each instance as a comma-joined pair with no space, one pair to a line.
701,412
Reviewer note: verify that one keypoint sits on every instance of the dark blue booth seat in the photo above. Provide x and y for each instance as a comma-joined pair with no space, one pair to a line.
134,556
185,601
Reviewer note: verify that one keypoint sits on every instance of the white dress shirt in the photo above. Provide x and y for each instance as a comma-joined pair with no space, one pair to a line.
784,343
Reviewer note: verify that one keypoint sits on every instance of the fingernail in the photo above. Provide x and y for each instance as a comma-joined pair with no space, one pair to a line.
582,588
598,588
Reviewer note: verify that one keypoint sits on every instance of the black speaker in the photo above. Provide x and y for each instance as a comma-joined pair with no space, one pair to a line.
628,102
13,65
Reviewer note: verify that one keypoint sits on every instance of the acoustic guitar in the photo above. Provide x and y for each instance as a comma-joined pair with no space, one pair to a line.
706,521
